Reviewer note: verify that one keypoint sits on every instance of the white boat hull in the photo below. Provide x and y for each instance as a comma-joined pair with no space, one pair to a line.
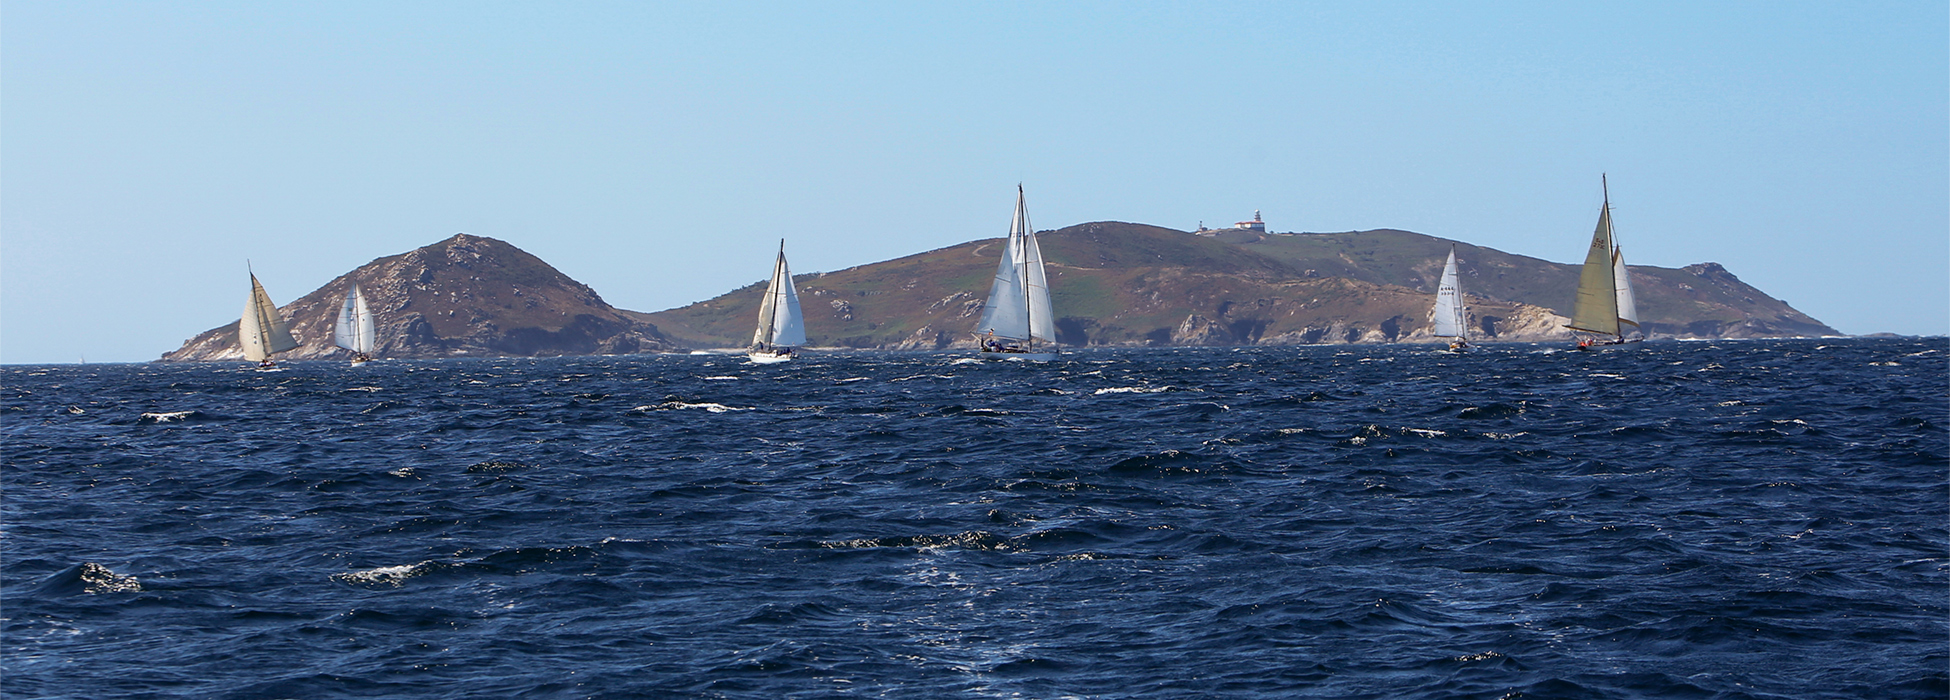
766,358
1018,356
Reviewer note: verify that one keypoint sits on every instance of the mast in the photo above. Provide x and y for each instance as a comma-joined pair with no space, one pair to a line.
1039,319
1021,224
1618,330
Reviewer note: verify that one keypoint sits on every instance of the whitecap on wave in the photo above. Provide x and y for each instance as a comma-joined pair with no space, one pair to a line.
95,579
394,576
925,376
165,416
1131,390
674,405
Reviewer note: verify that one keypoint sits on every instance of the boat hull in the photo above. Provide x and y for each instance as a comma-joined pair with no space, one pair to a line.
766,358
1018,356
1607,344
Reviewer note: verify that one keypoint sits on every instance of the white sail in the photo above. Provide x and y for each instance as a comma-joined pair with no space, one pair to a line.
762,335
1035,286
261,331
354,330
1628,307
779,320
1018,307
1005,314
1596,309
1448,316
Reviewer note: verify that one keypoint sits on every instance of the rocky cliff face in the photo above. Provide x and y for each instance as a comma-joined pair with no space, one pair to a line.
464,296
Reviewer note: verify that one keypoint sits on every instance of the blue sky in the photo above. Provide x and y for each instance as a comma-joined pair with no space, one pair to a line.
658,152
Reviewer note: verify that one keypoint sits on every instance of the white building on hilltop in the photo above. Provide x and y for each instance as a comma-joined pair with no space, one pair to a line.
1255,225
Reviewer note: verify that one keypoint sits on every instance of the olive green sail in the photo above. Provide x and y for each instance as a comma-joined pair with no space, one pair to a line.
1596,309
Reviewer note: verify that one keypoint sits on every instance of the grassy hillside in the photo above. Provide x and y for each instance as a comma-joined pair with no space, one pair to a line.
1701,300
1122,283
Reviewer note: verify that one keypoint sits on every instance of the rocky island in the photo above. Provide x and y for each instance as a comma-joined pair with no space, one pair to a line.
1113,283
1116,283
464,296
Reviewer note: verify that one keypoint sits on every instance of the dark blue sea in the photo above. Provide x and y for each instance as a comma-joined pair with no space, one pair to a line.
1762,519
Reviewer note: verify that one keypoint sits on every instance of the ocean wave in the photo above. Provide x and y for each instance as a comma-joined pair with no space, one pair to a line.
681,405
1131,390
89,578
387,576
1339,530
167,417
498,466
972,540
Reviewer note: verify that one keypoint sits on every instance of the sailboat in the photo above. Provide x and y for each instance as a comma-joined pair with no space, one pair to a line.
1447,318
780,325
354,329
262,332
1018,313
1605,305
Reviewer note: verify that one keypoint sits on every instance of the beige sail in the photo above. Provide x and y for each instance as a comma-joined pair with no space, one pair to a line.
262,332
1597,304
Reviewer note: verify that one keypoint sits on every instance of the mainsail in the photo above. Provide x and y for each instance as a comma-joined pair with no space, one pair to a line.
355,326
1018,308
779,320
1448,321
262,332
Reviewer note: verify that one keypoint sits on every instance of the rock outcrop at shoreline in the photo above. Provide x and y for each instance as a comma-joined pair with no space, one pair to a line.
464,296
